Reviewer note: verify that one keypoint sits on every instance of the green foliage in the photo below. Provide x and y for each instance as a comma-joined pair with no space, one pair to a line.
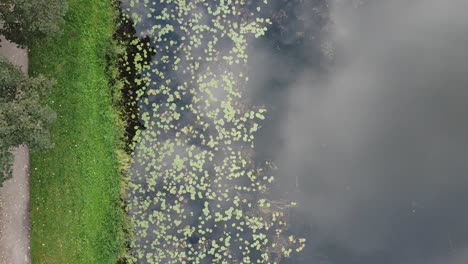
23,119
26,21
198,195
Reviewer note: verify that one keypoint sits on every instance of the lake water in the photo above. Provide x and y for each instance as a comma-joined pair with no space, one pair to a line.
367,124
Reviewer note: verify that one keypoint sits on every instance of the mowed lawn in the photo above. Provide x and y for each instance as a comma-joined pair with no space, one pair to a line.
75,187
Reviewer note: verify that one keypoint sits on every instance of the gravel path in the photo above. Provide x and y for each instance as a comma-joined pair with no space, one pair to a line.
14,195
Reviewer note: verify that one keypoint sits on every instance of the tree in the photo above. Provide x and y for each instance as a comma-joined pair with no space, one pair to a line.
23,119
27,20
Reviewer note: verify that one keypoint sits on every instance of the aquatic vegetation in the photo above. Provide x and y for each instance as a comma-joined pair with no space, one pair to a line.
196,193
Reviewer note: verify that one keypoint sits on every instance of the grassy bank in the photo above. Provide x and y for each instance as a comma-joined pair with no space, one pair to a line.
75,187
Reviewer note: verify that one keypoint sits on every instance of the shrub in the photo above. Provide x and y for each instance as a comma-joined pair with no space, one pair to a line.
25,21
23,119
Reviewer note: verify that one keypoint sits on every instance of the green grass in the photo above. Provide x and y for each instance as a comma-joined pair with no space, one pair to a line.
75,187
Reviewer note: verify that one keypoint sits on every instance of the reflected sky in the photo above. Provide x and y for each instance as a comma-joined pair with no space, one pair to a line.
372,138
368,124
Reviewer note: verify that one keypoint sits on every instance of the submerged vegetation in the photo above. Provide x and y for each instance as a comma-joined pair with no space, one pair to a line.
196,192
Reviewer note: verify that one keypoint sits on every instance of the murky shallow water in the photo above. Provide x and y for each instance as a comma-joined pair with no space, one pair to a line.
372,143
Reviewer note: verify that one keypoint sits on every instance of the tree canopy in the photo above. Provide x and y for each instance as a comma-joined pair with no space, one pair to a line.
23,119
27,20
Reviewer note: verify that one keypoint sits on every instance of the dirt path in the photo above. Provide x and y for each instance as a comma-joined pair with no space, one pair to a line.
14,195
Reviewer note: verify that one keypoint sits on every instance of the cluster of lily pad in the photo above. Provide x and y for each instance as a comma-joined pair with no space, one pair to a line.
196,193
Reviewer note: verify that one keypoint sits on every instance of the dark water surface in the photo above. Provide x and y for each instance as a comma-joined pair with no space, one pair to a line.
372,140
375,147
